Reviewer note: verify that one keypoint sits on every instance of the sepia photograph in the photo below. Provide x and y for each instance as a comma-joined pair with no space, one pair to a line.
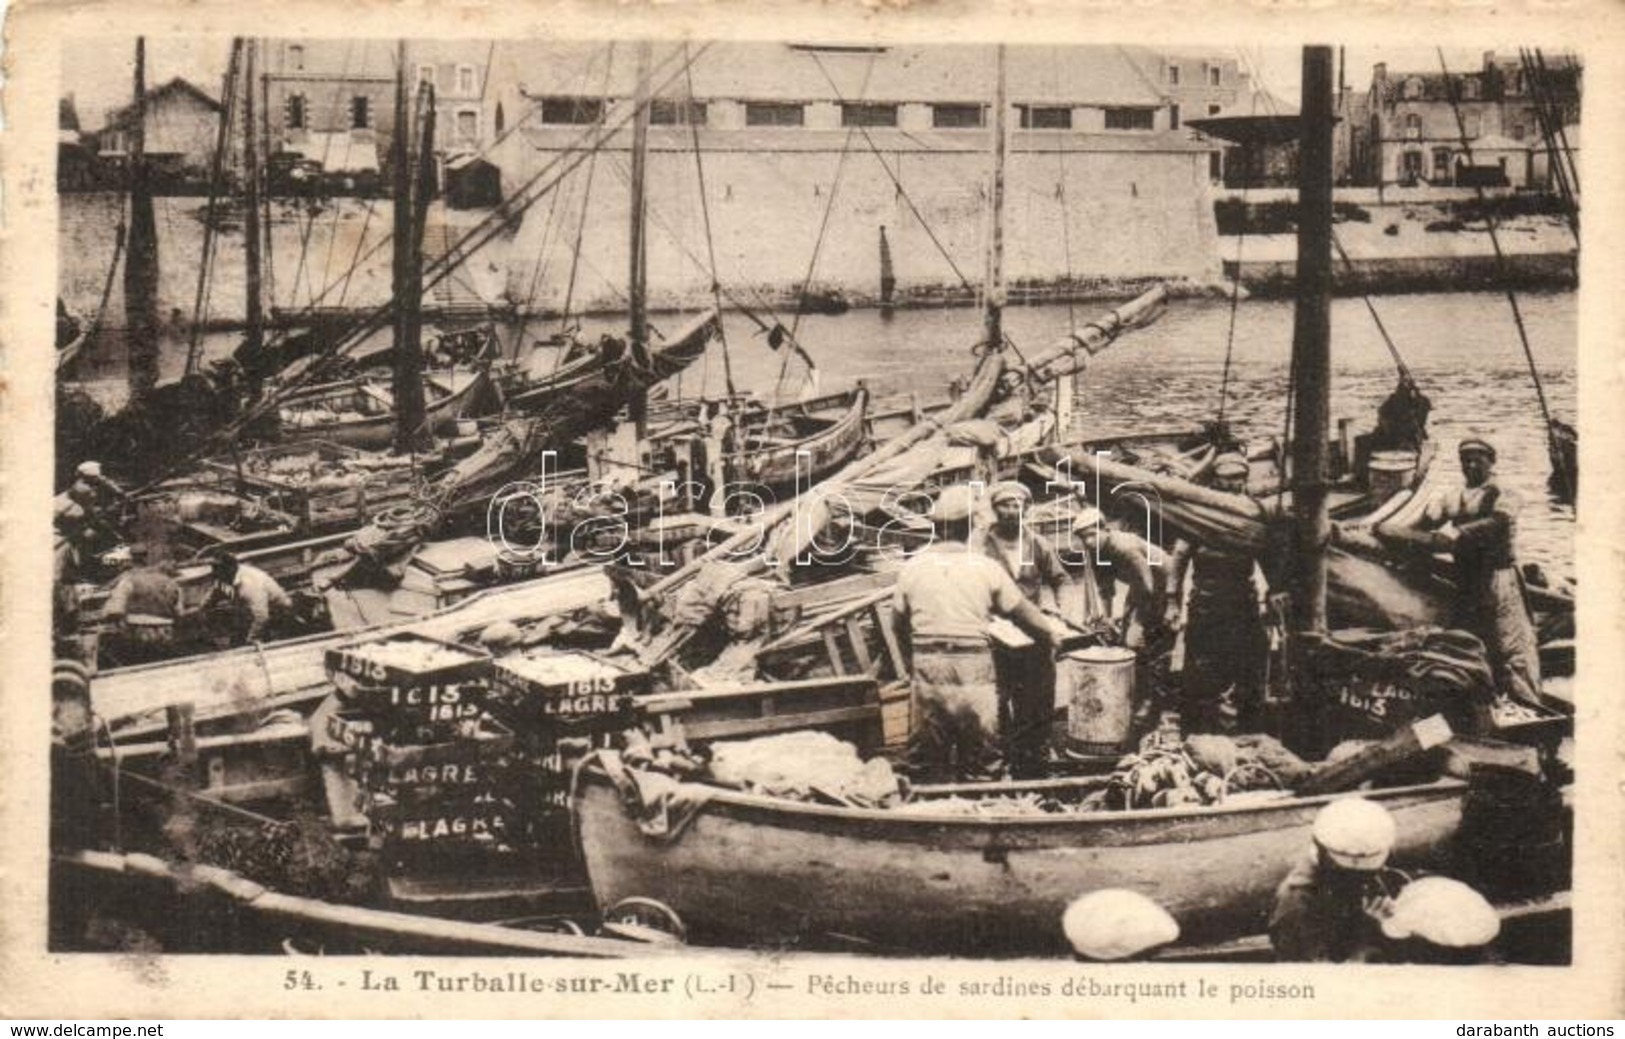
983,503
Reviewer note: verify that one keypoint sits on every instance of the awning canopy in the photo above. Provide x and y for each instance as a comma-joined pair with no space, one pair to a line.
1250,129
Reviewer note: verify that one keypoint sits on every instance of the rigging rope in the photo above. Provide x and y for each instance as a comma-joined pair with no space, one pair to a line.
823,226
205,270
581,226
710,242
1500,263
903,192
543,181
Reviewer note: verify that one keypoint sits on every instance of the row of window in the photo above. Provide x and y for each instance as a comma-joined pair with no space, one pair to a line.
1214,75
296,116
1471,121
426,73
579,111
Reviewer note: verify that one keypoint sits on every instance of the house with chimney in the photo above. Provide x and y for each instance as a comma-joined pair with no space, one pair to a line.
1487,126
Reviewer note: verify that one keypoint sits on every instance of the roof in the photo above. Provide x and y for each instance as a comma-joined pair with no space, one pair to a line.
175,87
1095,75
1563,80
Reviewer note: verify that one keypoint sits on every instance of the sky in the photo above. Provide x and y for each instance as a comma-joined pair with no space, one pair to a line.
99,71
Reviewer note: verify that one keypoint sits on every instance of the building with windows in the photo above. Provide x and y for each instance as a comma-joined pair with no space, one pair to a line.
1100,184
332,101
180,129
1482,126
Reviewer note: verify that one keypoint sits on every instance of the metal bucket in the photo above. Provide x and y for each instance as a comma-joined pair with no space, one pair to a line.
1391,472
1097,685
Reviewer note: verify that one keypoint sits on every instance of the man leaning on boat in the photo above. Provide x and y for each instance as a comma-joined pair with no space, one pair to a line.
946,596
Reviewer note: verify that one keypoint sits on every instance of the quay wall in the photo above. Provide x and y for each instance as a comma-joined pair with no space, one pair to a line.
1132,223
1101,215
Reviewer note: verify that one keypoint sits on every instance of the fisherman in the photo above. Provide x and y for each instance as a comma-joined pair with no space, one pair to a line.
1438,920
142,607
1029,558
1225,641
255,596
1027,674
1104,553
1117,924
945,598
80,517
1327,907
1489,592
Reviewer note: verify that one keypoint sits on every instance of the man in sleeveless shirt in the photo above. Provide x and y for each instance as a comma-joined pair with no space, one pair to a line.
1481,536
946,596
1225,641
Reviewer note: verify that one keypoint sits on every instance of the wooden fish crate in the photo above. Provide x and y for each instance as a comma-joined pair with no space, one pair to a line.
401,662
319,483
572,690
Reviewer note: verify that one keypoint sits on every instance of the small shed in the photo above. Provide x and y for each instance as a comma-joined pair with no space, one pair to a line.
471,182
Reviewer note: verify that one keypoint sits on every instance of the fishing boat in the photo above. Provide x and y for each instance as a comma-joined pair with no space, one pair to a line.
806,441
361,413
768,871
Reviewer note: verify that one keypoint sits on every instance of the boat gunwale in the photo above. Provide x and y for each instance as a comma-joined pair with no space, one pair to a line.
760,460
809,812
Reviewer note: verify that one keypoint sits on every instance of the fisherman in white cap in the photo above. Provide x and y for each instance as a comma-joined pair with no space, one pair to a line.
1102,554
946,596
1441,921
1117,924
1324,909
1479,529
1027,674
79,514
1225,641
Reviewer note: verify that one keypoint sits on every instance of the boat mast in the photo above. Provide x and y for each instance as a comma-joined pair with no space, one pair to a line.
638,249
254,338
141,265
410,434
1311,344
993,316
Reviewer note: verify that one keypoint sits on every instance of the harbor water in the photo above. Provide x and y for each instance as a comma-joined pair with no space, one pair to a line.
1463,349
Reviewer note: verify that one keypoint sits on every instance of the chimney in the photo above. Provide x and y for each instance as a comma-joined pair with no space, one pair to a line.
1489,60
1379,72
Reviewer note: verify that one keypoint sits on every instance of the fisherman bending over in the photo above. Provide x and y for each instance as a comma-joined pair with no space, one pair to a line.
946,595
1225,641
1103,553
254,594
143,607
1489,592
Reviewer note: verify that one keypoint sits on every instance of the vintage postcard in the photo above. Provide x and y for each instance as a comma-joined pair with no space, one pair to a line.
579,510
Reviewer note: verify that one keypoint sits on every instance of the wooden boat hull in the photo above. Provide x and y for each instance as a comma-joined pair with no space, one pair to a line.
765,871
377,432
825,452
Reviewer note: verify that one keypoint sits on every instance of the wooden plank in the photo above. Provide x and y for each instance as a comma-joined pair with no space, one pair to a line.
736,727
860,645
883,620
665,703
833,646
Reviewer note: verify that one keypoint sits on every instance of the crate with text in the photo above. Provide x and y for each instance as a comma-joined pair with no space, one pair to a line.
404,661
574,690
